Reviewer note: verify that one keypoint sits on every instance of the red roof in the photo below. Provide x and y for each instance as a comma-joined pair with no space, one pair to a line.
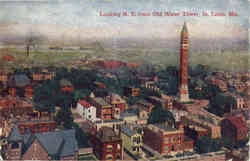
238,122
84,103
8,58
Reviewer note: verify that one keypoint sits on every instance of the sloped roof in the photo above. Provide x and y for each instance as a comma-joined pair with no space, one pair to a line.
20,80
126,130
61,143
15,135
84,103
238,122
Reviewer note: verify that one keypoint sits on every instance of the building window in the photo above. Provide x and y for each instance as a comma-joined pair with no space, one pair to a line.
109,157
166,148
109,148
138,140
15,146
134,139
172,148
118,146
173,139
134,148
179,138
166,140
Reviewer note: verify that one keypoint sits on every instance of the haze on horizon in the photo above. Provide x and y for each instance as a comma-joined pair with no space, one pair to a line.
77,20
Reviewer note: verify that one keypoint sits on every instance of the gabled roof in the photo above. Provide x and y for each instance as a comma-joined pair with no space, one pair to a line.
15,135
238,122
84,103
127,131
58,143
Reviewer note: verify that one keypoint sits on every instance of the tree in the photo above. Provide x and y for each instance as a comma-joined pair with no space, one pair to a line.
160,115
205,144
64,117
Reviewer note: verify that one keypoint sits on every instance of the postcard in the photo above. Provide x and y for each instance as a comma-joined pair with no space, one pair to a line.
124,80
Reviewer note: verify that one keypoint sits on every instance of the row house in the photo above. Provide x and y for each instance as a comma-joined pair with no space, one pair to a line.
42,75
107,145
86,110
166,103
195,132
115,124
151,85
36,126
104,110
234,128
132,139
129,117
166,140
117,102
15,106
178,114
240,102
144,79
214,129
57,145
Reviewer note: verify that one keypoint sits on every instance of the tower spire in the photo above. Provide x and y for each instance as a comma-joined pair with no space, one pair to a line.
184,28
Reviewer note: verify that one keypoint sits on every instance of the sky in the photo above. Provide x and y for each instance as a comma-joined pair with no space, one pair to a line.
78,15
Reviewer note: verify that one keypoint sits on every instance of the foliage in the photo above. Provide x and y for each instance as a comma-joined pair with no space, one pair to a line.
81,136
160,115
205,145
64,117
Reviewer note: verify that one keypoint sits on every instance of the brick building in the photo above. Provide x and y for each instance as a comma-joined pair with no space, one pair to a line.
234,128
107,145
36,126
116,101
166,140
104,110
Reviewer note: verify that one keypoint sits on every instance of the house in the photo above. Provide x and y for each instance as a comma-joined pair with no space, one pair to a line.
114,124
129,117
107,145
234,128
178,114
104,110
195,132
213,128
58,145
145,105
131,91
87,111
166,140
116,101
36,126
132,139
14,105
